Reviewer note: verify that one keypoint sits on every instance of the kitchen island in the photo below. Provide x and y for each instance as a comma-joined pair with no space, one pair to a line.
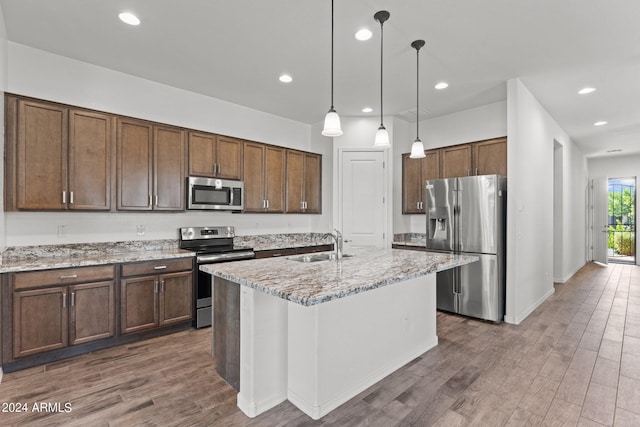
319,332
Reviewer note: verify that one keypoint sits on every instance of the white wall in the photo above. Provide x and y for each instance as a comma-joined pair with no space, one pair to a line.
530,227
485,122
40,74
621,166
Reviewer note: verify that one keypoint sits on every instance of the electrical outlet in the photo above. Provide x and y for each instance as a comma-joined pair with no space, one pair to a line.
62,230
140,230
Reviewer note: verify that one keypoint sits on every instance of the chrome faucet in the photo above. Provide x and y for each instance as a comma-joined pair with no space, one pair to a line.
338,239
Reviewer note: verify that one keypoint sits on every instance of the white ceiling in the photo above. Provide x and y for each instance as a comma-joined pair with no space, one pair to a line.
236,49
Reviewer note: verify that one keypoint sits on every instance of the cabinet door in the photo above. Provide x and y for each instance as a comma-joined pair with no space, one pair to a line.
456,161
253,159
138,304
89,160
134,165
176,297
430,168
312,183
274,179
229,157
41,167
295,181
39,321
411,190
490,157
202,153
169,154
91,312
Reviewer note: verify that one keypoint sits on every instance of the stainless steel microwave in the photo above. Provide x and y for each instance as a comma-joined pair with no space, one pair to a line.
214,194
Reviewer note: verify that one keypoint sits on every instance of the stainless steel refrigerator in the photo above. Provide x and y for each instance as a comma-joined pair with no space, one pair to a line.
467,215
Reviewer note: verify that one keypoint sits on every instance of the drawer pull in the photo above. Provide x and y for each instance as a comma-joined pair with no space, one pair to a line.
70,276
159,267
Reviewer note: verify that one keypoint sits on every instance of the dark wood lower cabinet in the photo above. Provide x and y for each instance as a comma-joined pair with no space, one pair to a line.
138,304
92,312
39,321
148,302
52,314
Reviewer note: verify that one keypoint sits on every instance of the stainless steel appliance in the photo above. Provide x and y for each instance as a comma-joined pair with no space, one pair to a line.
211,245
214,194
467,215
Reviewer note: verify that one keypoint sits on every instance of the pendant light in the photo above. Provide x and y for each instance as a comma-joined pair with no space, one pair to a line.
332,120
417,149
382,136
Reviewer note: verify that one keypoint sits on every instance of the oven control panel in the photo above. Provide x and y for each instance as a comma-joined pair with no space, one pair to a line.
199,233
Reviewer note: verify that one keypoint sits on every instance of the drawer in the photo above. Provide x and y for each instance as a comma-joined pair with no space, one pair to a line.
63,276
157,267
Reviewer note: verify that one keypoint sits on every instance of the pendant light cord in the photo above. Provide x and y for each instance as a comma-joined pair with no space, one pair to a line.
417,93
332,55
381,56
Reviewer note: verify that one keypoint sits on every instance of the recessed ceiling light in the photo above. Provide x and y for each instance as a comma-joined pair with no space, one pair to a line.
286,78
367,109
363,34
441,85
129,18
601,123
586,90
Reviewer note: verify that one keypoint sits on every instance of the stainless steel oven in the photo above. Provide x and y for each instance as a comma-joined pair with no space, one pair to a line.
214,194
211,245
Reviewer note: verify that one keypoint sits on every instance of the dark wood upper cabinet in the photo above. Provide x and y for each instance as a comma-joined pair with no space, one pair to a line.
215,156
304,182
150,166
414,174
169,158
90,142
264,178
41,156
485,157
134,172
490,157
456,161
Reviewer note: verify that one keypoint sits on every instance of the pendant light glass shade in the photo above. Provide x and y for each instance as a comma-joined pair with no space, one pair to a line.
332,124
382,136
417,149
332,120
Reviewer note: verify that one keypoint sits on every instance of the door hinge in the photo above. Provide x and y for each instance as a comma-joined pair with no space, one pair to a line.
383,165
383,200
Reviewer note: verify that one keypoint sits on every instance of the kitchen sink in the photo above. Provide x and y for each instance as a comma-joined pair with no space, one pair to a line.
317,257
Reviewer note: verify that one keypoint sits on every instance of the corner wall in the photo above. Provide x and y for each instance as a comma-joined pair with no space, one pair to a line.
36,73
530,189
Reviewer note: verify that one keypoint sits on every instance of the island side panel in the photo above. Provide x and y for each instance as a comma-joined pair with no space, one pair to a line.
263,351
226,330
339,348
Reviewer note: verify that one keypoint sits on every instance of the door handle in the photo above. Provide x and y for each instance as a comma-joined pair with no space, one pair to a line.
73,299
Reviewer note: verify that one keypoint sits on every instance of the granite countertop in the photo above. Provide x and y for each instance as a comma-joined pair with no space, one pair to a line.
317,282
267,242
31,258
44,257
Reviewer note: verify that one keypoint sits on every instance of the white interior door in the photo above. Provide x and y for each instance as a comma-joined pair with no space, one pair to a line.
599,212
362,204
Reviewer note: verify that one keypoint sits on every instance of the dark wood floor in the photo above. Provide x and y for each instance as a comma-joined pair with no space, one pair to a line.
574,361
